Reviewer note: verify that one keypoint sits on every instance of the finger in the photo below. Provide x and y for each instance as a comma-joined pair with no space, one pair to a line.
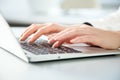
27,34
25,31
65,35
57,44
51,41
51,35
84,39
70,33
49,28
58,35
33,28
67,42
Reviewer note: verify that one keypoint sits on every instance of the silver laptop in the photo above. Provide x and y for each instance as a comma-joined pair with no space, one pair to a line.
42,51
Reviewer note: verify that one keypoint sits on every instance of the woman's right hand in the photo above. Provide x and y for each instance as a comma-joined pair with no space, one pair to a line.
36,30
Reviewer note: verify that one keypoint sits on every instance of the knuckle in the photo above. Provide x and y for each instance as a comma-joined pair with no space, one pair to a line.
41,30
52,24
34,25
74,30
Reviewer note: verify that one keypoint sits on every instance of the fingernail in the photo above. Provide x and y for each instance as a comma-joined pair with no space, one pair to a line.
73,40
51,41
20,39
30,41
55,45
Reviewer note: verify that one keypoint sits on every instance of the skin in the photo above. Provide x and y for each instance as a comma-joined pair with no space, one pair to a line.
59,34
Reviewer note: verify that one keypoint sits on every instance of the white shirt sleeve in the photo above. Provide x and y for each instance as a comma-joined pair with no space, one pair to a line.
110,22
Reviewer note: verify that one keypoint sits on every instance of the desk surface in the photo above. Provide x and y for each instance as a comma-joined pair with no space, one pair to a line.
100,68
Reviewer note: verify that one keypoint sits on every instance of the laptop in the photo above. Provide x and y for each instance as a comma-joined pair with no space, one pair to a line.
42,51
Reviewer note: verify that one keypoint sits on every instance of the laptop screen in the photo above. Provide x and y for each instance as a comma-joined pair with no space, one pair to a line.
8,41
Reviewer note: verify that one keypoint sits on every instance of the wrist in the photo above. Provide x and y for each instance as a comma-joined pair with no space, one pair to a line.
118,32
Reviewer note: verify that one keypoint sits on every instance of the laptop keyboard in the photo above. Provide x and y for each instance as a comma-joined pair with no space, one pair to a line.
43,47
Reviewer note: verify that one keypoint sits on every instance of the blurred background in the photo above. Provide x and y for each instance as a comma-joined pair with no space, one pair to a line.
26,12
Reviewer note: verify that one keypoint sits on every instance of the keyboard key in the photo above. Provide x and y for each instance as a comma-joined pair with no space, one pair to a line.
43,47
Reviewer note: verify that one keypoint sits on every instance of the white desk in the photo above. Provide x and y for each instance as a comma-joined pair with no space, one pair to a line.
102,68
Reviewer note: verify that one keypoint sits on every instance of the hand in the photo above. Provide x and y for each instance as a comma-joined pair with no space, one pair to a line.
36,30
87,34
59,34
